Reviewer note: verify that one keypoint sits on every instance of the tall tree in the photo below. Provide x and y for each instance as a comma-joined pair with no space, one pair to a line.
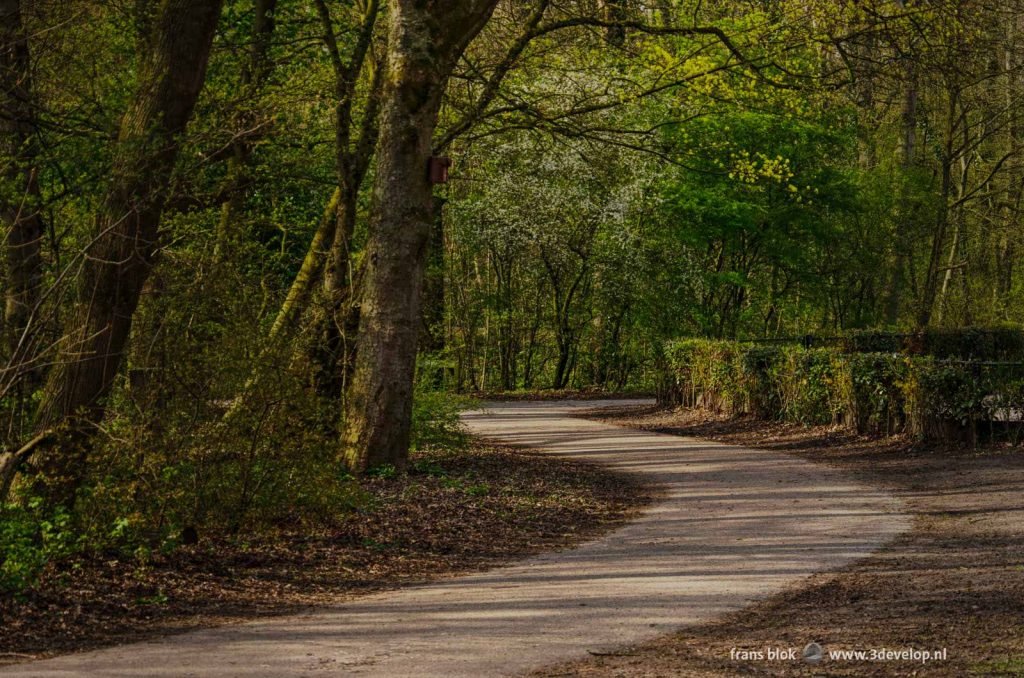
354,149
255,72
425,41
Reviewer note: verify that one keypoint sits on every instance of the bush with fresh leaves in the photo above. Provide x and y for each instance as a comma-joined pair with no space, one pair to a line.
31,537
876,393
809,385
760,365
435,420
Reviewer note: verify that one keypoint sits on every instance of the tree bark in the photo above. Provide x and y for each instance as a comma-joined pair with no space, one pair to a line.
122,254
354,151
425,41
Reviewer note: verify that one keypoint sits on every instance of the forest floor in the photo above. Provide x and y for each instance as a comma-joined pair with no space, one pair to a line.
954,582
453,513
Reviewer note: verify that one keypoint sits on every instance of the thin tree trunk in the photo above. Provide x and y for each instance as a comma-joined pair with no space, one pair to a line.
425,41
931,282
898,275
123,252
955,246
352,161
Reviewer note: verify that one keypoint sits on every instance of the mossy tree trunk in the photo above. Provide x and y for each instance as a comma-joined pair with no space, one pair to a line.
425,41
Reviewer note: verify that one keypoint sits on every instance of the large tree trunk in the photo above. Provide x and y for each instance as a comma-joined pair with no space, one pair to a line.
121,256
425,40
20,207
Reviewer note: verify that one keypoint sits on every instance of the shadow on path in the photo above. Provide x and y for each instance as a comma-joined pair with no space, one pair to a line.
731,525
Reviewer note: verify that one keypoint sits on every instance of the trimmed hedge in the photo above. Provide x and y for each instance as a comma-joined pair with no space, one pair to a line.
1000,343
870,392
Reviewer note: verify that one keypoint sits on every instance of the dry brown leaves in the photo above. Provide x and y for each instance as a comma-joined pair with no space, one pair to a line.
460,512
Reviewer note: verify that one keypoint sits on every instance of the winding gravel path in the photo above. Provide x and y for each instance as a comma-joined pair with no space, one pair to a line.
731,525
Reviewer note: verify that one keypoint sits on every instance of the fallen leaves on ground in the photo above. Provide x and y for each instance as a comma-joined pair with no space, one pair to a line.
453,513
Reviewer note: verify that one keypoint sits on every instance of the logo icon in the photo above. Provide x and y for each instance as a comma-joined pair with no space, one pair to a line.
813,653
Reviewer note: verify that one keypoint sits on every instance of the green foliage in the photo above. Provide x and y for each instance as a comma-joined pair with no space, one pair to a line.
706,373
764,202
876,393
385,471
1002,342
809,384
789,383
759,365
30,538
435,420
874,341
174,460
945,393
889,393
974,343
953,399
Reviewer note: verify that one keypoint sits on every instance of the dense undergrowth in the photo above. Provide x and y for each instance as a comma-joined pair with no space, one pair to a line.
153,488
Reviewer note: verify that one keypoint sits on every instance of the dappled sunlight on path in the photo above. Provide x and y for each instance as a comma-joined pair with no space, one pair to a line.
730,525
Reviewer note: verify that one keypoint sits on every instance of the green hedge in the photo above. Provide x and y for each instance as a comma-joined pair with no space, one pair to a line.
1000,343
869,392
784,382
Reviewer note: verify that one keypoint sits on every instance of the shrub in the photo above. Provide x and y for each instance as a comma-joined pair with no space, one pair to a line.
705,373
876,395
716,376
944,398
810,385
973,343
677,388
1003,342
435,420
874,341
29,540
956,400
759,366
